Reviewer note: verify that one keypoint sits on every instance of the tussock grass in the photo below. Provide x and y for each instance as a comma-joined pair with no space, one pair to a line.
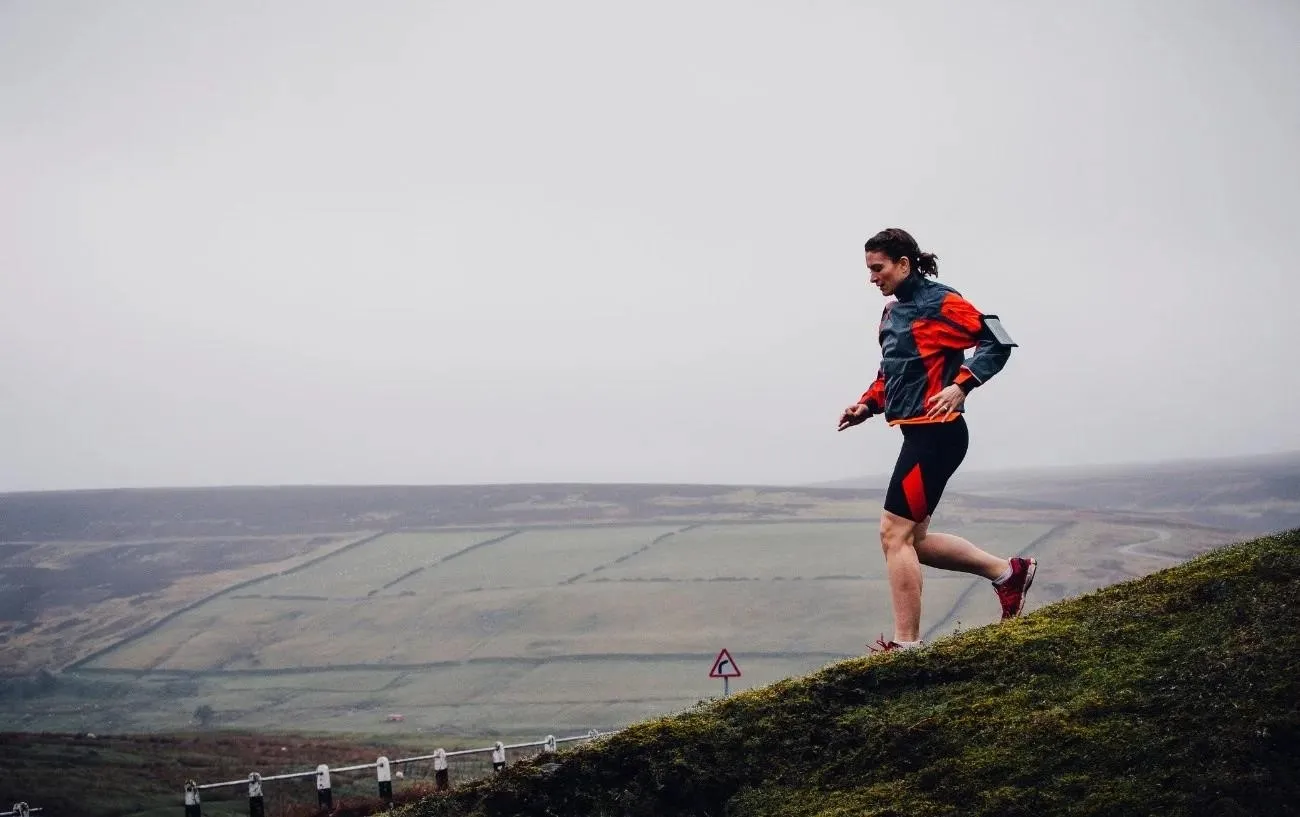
1174,694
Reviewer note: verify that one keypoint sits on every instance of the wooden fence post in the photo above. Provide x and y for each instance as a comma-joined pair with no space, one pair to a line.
441,779
256,804
385,776
323,795
192,807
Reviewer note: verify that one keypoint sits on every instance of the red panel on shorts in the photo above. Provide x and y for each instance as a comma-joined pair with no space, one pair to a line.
914,490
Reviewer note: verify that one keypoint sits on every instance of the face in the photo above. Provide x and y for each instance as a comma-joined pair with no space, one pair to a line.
885,273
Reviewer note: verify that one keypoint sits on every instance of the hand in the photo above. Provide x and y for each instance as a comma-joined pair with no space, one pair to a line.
945,402
853,415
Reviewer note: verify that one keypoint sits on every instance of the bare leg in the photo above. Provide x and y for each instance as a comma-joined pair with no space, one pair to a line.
904,569
946,551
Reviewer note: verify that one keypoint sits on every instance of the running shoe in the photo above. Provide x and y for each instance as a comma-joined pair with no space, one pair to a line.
882,645
1011,593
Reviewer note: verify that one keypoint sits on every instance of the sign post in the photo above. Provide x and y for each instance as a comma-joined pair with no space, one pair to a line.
725,668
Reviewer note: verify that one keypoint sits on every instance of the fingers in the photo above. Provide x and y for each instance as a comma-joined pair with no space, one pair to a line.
852,416
944,403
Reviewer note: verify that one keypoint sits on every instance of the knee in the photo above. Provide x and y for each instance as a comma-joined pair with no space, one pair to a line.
919,532
895,533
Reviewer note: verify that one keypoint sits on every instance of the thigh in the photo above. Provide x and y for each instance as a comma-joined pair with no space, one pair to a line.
942,459
930,455
905,495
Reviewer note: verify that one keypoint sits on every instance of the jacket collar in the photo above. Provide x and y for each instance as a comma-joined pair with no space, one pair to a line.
907,290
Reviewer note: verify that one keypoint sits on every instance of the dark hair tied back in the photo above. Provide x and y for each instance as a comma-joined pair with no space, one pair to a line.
897,243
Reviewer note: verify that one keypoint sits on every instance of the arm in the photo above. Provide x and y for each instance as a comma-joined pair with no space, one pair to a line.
872,402
874,397
972,328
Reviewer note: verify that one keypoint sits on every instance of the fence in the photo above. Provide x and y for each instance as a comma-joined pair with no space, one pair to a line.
384,772
20,810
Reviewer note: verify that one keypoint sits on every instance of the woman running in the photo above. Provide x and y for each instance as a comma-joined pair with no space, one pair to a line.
921,387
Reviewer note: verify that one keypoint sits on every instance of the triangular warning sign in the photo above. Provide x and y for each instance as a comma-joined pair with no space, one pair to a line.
724,667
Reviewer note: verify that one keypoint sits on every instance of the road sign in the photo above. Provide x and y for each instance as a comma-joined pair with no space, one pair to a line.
724,667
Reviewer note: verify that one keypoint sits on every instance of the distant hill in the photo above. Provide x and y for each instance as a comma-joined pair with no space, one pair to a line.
1260,494
1174,694
106,515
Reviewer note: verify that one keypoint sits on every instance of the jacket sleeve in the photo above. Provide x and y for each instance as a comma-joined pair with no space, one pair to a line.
874,397
969,330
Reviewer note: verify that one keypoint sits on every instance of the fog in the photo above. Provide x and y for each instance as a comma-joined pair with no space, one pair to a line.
461,242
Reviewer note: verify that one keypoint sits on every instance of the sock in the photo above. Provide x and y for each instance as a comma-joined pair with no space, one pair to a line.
907,645
1006,574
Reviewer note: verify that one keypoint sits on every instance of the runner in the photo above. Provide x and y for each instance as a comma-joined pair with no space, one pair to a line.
921,387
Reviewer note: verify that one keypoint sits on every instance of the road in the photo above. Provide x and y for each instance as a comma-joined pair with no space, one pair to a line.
1157,535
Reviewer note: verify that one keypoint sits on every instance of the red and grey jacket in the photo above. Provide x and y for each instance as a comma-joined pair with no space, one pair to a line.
923,337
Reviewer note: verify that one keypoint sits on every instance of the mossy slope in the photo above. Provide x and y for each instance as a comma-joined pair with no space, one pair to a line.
1175,694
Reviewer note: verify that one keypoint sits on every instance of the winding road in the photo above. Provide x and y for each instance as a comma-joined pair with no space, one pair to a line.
1157,535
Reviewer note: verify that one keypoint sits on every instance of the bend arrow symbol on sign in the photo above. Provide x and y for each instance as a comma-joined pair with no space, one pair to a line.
724,666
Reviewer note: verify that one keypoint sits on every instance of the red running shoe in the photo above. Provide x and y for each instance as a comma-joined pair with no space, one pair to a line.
1011,593
882,645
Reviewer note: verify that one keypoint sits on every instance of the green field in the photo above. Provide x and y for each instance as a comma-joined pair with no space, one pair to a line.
535,558
359,570
790,550
782,588
541,630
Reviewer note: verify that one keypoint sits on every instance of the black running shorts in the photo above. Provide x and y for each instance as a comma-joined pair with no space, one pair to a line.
930,455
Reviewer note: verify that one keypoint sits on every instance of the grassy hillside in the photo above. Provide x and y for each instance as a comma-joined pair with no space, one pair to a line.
1174,694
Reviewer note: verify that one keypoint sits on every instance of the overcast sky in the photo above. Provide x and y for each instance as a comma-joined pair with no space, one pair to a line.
440,242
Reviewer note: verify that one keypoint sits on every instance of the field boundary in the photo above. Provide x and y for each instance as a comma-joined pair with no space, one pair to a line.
408,574
80,664
661,537
657,522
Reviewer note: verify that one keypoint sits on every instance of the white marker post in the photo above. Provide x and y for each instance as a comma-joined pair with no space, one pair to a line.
385,779
725,668
441,777
256,802
324,796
